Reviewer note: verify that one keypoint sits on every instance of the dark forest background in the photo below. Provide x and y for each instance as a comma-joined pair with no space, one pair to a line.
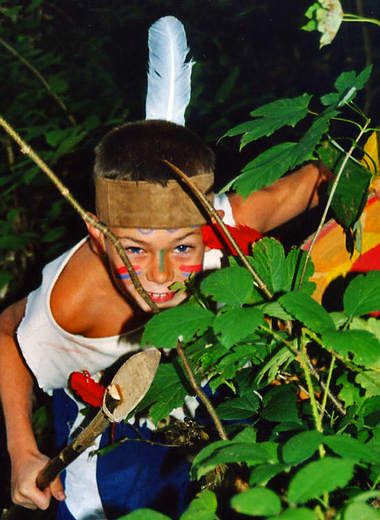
91,56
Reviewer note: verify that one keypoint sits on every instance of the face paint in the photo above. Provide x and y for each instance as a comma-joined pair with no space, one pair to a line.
186,270
171,230
145,231
162,260
122,272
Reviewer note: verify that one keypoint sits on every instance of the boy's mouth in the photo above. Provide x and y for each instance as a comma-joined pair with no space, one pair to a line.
162,297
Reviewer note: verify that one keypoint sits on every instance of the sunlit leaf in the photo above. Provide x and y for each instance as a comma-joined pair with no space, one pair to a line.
256,501
301,447
264,472
301,513
370,381
235,324
319,477
269,262
362,295
364,346
230,285
307,311
362,512
350,448
203,507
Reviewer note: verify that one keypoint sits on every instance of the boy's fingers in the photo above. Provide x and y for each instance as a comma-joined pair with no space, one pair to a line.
56,489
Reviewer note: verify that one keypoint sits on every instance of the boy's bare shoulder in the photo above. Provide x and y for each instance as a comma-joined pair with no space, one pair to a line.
82,292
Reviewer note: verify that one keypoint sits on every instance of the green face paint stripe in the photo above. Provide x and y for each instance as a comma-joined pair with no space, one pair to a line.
162,261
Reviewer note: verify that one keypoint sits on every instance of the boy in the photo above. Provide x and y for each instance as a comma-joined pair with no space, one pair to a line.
87,313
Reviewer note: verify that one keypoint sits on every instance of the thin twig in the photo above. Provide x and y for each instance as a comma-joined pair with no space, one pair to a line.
38,75
26,149
328,204
202,396
213,214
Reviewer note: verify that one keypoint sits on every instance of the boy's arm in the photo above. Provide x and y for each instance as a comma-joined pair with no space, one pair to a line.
283,200
16,387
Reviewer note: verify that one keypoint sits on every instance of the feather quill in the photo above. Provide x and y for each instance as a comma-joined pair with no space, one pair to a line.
169,75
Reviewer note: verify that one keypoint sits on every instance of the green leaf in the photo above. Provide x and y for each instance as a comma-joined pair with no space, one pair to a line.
144,514
265,169
301,446
362,295
319,477
350,448
236,323
269,262
306,146
280,405
362,512
15,242
300,513
257,501
272,116
5,277
265,472
370,381
203,507
307,311
164,329
364,345
225,452
230,285
239,407
295,262
53,234
275,310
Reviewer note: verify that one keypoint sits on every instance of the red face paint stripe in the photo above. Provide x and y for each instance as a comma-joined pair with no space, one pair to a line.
124,270
191,268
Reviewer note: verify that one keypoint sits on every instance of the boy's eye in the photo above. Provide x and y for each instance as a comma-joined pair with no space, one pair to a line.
134,250
182,249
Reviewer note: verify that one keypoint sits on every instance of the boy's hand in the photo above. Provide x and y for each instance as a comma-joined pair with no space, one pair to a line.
23,482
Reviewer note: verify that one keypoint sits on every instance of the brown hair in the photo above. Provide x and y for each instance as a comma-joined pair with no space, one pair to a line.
135,151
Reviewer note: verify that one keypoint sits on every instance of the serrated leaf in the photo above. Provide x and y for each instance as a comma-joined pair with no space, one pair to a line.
230,285
265,169
203,507
269,262
319,477
307,311
301,446
280,405
257,501
265,472
306,145
164,329
144,514
235,324
301,513
362,512
362,295
275,310
238,408
350,448
295,262
370,381
225,452
364,346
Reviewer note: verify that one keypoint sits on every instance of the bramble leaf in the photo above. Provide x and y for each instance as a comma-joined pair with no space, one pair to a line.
362,295
236,323
319,477
239,408
230,285
301,513
301,447
257,501
203,507
350,448
280,405
362,511
307,311
269,262
264,472
295,262
370,381
164,329
364,345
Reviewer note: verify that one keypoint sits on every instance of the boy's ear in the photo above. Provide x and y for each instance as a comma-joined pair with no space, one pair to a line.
96,237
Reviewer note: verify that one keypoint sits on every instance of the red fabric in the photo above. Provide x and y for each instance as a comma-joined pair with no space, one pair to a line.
86,388
369,261
243,235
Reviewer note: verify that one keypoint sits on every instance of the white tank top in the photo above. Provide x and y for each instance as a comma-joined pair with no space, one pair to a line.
52,353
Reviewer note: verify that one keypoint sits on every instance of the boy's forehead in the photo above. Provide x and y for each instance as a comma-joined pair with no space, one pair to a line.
174,232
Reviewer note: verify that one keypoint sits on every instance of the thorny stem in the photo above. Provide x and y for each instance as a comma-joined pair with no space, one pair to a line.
202,396
26,149
327,387
214,215
328,204
60,102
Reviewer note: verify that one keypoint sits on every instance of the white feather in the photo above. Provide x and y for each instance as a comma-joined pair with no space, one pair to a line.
169,76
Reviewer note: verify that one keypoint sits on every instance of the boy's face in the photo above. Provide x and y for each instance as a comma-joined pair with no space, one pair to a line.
160,257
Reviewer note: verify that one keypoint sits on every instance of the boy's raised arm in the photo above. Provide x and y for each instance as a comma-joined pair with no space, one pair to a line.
16,387
283,200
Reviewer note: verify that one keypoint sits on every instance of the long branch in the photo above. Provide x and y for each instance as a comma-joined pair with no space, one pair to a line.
328,204
38,75
26,149
202,396
214,215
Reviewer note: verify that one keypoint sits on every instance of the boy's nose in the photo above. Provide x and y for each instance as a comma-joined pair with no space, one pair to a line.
160,269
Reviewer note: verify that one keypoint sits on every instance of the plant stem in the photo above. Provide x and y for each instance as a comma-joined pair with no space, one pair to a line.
328,204
38,75
306,369
355,18
202,396
327,387
26,149
212,213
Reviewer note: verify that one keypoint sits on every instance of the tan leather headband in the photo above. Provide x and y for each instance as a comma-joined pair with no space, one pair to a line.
146,205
